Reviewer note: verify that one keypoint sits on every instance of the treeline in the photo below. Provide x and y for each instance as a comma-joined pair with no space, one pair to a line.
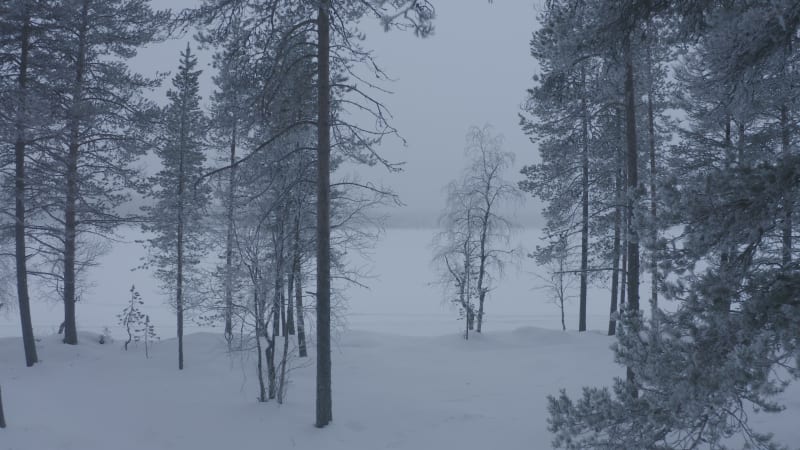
668,138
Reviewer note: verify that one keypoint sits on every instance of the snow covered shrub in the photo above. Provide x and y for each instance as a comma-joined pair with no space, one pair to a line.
105,336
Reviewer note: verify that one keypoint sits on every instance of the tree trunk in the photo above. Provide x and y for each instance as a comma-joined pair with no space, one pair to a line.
651,128
301,327
229,242
262,390
482,290
2,414
179,280
481,298
272,378
633,182
70,232
283,308
179,269
324,400
278,314
584,210
298,292
623,282
788,204
562,294
616,252
284,362
179,300
466,281
70,221
289,301
23,299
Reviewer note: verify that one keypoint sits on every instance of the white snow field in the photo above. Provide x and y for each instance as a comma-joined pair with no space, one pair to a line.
403,376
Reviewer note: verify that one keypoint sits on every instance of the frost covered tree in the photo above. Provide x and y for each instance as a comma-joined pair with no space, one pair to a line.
558,281
233,114
455,254
574,114
102,122
558,118
176,218
328,33
474,246
23,65
697,374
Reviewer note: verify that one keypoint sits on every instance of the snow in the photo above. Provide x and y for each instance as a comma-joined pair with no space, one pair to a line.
389,392
403,376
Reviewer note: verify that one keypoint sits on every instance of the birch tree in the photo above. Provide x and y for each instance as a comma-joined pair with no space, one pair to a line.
476,230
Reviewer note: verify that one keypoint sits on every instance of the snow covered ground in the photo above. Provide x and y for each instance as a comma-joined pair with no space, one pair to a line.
403,376
389,392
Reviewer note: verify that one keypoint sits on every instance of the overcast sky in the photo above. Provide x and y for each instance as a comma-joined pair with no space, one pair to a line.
474,70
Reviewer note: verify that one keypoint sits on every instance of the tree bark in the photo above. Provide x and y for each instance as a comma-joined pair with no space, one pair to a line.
788,204
284,362
70,220
278,314
290,301
301,327
179,270
272,378
2,414
633,182
562,294
465,285
229,242
298,293
651,129
324,400
23,298
482,264
584,210
616,252
258,311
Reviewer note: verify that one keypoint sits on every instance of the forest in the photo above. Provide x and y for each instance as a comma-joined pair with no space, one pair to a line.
662,148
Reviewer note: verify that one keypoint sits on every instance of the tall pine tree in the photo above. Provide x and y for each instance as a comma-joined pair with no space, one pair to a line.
176,219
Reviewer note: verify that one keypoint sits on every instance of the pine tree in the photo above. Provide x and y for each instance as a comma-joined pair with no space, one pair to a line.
176,219
23,59
103,119
136,323
695,375
572,114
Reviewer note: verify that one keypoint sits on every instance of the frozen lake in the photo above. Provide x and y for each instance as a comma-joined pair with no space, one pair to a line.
402,297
